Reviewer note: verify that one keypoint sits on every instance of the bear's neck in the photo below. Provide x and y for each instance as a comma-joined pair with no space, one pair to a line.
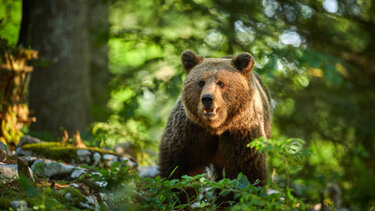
244,122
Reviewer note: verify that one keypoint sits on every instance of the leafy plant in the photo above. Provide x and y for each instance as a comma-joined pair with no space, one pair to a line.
286,155
202,192
132,133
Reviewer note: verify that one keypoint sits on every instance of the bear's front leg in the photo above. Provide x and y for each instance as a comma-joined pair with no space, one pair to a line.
182,159
176,162
233,156
173,160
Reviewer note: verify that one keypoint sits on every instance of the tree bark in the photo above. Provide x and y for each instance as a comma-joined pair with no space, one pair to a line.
98,14
59,92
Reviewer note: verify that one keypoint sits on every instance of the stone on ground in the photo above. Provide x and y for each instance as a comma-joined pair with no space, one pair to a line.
18,205
8,173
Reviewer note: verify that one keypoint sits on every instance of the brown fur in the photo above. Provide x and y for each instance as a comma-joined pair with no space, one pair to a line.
192,141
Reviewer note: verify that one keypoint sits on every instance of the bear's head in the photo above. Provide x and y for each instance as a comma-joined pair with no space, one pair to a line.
216,91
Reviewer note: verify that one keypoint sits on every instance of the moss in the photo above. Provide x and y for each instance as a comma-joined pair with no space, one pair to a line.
76,195
42,196
10,193
55,199
46,198
5,203
59,196
58,151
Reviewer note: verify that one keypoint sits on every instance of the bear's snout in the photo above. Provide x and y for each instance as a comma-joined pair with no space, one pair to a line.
207,100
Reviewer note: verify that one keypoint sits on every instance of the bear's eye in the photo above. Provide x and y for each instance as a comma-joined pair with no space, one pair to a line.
201,83
221,84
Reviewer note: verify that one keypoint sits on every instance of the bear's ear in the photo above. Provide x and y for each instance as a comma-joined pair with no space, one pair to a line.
244,62
190,59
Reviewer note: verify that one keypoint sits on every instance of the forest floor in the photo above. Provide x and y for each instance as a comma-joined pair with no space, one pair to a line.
38,174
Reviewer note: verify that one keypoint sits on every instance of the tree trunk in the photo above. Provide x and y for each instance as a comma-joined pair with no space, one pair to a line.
59,91
98,14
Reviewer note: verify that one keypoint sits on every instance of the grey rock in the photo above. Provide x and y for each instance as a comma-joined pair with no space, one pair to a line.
84,155
74,185
96,173
50,168
196,205
23,152
8,173
30,159
38,167
4,148
18,205
271,191
28,140
148,171
77,172
109,159
96,158
124,149
101,184
91,203
53,168
130,162
103,196
69,197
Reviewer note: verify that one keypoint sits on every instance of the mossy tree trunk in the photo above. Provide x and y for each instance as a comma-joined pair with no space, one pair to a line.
59,92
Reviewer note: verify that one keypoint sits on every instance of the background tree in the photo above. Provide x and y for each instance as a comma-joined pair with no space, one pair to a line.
98,26
71,39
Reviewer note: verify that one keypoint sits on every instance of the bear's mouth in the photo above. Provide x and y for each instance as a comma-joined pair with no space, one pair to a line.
209,112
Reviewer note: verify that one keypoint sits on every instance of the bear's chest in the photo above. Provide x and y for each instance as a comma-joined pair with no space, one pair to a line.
231,147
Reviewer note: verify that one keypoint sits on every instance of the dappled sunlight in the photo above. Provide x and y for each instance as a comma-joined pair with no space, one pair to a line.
111,71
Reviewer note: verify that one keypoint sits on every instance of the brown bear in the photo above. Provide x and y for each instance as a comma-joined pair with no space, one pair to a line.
223,106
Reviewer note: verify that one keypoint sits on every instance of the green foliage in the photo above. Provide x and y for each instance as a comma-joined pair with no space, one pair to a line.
161,194
125,190
317,61
202,192
116,177
37,198
286,155
10,133
117,131
10,20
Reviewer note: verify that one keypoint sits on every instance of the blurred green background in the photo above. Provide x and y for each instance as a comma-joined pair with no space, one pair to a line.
316,57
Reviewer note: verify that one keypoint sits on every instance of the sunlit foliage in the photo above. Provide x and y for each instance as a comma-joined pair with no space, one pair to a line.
316,58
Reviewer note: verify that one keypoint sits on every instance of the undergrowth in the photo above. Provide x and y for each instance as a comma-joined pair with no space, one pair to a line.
125,190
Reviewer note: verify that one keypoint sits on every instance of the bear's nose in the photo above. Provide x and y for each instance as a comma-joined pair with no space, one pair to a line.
207,100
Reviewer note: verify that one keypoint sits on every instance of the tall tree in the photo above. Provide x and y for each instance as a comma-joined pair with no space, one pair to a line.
98,44
59,91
